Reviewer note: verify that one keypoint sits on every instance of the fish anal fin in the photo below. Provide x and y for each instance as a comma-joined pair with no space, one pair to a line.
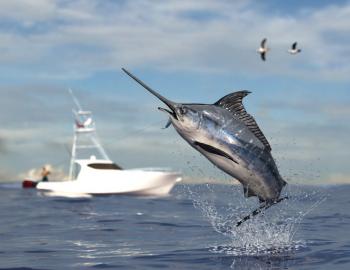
283,182
248,192
234,104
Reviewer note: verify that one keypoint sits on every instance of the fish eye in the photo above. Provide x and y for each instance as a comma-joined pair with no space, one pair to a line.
183,110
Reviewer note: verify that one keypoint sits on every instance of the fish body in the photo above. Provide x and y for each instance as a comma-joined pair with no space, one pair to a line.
227,143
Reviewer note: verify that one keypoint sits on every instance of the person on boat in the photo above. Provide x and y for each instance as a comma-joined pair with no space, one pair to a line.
45,174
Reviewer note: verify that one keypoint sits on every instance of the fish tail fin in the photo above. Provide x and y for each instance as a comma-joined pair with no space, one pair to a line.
261,208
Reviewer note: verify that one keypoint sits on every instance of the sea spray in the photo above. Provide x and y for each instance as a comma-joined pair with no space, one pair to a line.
271,232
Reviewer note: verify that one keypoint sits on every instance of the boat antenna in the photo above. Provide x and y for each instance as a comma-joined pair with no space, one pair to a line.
75,100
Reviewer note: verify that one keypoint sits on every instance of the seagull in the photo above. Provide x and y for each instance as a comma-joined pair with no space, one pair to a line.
263,49
293,50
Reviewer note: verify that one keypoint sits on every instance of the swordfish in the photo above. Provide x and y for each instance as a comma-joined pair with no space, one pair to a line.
230,138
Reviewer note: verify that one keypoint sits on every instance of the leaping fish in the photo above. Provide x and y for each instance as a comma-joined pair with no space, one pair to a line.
231,139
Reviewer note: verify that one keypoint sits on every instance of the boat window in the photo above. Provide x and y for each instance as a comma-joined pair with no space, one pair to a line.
105,166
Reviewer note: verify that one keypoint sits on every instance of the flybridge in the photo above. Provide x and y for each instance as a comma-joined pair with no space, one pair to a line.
85,139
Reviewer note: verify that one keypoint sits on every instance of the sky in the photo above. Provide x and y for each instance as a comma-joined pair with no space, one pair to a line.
190,51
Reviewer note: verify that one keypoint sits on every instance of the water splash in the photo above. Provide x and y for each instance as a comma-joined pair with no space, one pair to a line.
271,232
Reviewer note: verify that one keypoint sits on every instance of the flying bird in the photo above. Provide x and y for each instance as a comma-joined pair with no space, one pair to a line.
263,49
229,137
294,50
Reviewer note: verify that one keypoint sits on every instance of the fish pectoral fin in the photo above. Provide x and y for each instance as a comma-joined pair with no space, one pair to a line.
167,124
248,192
213,150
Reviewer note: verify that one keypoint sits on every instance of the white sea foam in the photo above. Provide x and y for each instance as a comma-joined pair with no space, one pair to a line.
270,232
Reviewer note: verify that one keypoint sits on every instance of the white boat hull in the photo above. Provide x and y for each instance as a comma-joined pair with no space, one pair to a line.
132,182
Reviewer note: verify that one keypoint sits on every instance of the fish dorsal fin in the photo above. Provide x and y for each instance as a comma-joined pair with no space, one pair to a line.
233,103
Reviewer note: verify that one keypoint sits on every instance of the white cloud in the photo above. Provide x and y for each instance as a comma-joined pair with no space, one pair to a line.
81,37
27,11
3,147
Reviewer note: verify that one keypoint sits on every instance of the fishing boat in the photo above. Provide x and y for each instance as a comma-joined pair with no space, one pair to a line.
92,172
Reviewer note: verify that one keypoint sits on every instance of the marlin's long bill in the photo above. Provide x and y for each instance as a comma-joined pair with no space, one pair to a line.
168,102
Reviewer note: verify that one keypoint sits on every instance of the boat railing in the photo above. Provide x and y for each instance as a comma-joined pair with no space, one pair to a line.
150,169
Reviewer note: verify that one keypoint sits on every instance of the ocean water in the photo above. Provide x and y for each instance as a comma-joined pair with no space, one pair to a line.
193,228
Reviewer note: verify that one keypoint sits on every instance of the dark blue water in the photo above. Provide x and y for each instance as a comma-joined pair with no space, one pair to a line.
191,229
